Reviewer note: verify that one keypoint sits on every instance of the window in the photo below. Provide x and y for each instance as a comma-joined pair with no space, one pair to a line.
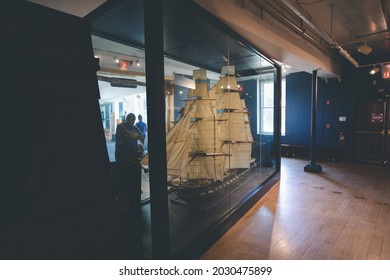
267,107
266,100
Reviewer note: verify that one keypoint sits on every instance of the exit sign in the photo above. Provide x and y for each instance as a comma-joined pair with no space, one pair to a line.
386,71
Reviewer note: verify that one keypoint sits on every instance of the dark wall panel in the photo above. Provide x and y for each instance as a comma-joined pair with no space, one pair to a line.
56,201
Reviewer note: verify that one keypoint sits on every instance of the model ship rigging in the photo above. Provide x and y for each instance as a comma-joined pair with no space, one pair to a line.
211,141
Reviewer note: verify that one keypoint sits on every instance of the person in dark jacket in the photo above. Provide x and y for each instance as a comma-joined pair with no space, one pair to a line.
127,180
127,136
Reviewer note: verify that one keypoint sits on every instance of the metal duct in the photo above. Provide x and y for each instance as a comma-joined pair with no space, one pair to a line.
299,11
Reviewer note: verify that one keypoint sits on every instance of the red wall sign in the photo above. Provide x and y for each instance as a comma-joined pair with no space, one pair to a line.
377,117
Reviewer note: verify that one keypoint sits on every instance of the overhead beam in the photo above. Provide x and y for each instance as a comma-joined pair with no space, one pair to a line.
273,37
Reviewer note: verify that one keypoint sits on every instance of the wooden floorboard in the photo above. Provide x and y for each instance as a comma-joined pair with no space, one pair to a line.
342,213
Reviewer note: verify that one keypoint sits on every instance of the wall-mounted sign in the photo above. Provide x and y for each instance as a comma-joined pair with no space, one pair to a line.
342,119
377,117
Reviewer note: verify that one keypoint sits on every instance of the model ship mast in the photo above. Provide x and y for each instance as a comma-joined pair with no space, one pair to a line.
213,136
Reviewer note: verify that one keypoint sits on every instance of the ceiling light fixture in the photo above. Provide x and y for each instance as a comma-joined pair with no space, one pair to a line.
374,70
365,49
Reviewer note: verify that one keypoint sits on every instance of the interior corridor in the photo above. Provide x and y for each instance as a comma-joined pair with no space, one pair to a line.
342,213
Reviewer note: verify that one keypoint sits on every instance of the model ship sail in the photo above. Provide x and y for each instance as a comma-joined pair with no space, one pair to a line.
213,134
193,146
236,136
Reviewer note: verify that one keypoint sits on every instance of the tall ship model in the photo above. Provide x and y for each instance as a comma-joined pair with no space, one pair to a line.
212,140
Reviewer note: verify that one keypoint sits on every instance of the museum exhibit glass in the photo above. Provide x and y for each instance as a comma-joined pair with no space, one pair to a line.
221,100
118,43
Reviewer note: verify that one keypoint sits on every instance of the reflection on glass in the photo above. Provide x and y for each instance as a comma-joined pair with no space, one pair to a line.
121,81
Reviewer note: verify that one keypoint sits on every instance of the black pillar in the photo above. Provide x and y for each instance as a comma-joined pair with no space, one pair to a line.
312,166
156,127
277,114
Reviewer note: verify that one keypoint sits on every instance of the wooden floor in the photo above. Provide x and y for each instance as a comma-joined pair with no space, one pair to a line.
342,213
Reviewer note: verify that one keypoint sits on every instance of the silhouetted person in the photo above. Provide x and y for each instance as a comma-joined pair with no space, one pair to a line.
127,178
142,126
126,146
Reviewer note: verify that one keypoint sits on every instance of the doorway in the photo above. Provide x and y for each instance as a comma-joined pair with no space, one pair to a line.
372,130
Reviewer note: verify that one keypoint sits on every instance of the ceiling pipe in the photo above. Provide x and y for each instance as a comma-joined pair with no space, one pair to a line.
277,13
306,17
372,34
368,38
373,64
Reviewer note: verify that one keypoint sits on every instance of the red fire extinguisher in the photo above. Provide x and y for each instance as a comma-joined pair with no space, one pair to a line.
341,139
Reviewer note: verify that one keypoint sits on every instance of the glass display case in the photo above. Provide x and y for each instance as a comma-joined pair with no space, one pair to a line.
221,104
220,130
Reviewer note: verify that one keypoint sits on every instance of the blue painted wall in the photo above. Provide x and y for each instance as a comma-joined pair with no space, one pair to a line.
333,102
336,99
298,109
